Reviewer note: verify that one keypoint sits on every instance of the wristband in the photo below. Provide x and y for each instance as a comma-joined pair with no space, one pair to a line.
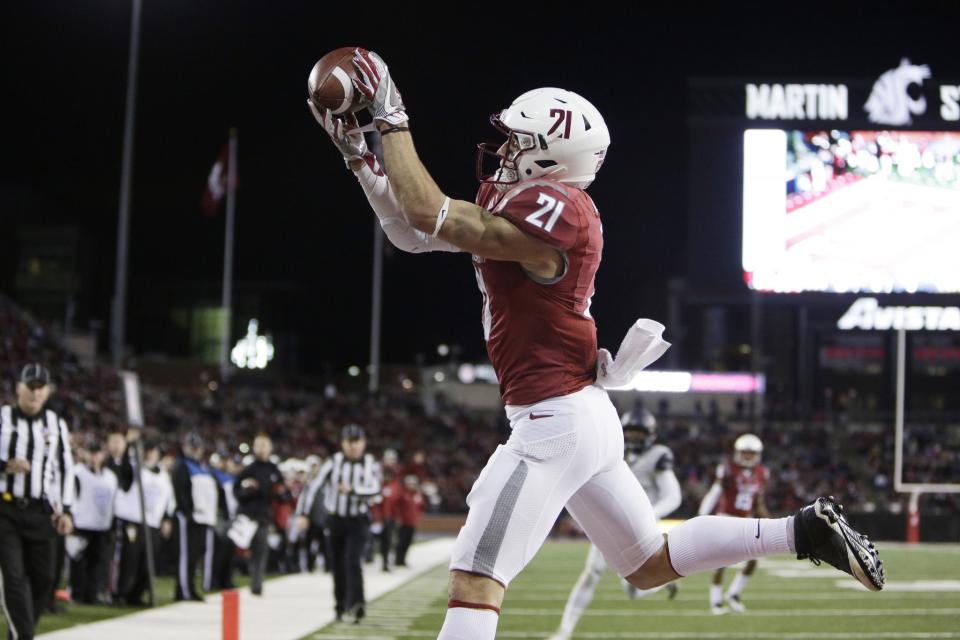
441,217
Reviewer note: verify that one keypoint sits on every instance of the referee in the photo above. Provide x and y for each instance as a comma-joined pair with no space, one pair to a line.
349,480
36,492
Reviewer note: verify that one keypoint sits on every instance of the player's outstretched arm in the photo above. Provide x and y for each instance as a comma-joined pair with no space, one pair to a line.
424,205
461,223
349,141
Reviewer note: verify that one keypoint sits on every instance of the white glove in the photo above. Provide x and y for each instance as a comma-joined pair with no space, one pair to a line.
344,133
376,85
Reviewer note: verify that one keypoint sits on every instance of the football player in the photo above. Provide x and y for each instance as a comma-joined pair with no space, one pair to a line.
535,238
737,491
652,464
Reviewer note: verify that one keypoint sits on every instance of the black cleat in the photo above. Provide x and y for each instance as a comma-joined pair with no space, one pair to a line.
821,533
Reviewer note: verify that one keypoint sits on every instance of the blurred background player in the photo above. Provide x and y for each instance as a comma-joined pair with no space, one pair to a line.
195,490
737,491
385,508
653,466
408,510
220,550
131,578
90,545
256,488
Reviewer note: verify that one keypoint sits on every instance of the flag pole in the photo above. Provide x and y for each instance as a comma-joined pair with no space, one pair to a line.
228,257
119,311
377,292
373,384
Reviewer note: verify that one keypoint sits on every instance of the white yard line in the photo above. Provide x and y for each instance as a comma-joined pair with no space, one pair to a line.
684,635
762,613
750,595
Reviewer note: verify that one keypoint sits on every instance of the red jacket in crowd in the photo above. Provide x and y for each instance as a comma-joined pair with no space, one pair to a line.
409,507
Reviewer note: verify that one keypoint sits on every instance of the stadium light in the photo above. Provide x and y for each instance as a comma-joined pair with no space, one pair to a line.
253,351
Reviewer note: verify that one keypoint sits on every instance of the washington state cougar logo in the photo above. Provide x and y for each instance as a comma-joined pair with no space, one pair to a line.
889,103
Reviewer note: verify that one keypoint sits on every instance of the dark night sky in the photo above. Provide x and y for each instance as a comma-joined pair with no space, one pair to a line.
302,220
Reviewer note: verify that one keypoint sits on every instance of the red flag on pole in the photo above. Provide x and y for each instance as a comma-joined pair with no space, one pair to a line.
216,183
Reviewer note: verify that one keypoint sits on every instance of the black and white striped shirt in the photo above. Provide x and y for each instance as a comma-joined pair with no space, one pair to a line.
362,476
44,441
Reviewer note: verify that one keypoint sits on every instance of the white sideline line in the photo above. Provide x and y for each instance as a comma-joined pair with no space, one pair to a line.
775,613
701,596
291,607
682,635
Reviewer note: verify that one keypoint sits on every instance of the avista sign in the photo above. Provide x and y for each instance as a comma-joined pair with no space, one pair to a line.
866,313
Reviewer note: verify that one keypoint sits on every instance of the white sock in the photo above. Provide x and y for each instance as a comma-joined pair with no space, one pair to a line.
739,582
711,542
462,623
716,595
579,600
633,593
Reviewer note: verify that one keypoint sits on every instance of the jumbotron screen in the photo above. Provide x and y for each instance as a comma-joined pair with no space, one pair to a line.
851,211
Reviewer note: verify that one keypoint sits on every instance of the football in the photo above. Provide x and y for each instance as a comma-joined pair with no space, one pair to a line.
330,84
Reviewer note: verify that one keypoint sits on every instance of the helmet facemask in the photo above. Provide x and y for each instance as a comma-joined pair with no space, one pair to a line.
507,172
638,439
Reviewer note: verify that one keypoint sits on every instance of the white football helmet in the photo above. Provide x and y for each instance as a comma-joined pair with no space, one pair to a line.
747,450
552,133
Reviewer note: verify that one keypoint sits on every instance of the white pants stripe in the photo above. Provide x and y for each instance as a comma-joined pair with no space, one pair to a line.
208,562
183,574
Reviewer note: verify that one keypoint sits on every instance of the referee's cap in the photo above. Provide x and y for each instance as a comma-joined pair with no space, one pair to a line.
35,372
352,432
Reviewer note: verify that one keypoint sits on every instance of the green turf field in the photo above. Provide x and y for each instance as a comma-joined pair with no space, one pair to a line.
787,599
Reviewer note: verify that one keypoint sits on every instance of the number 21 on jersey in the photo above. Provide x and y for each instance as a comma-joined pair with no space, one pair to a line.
551,206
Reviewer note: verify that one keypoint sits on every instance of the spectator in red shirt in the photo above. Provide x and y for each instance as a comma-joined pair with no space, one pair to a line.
409,507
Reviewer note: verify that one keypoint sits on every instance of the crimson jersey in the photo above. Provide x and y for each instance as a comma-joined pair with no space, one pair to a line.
741,486
540,336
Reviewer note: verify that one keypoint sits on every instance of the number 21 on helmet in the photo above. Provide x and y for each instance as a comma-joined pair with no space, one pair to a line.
551,133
